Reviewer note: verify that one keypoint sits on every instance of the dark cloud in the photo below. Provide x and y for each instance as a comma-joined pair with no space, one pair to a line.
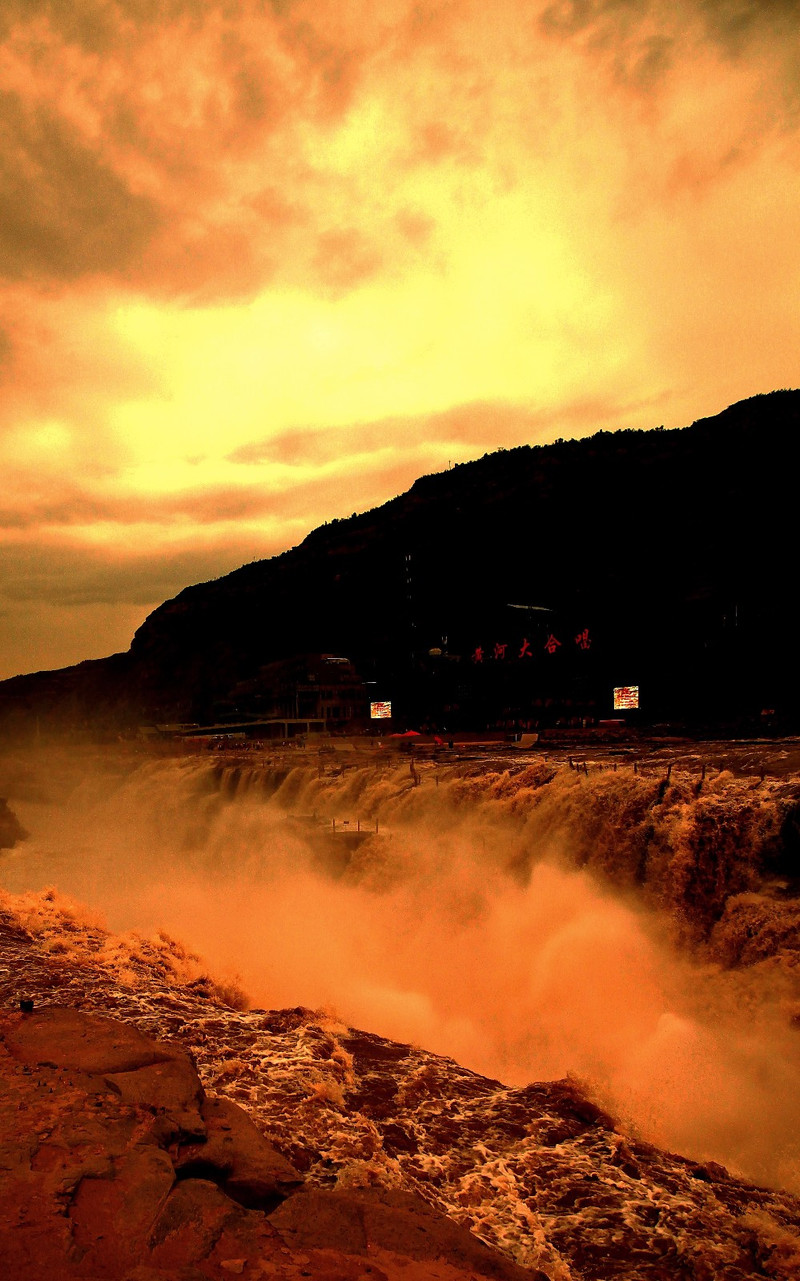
734,22
728,18
219,265
93,25
651,49
336,67
731,22
63,213
120,145
643,39
72,200
252,100
99,26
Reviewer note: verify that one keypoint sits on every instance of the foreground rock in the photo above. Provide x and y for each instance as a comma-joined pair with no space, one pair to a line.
114,1164
235,1153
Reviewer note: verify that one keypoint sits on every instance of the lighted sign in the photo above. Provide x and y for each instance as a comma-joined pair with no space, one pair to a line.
380,711
626,698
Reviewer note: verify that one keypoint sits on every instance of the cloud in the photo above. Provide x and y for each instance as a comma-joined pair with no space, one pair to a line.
64,370
63,213
208,151
731,21
135,137
480,424
270,507
217,505
263,263
345,258
643,40
98,26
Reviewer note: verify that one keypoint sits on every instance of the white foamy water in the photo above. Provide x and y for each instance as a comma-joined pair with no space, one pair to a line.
531,923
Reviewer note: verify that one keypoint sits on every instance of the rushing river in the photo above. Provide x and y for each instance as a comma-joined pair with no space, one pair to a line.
636,931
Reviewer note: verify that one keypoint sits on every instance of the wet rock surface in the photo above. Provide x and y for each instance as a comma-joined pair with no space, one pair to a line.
235,1154
62,1037
148,1131
357,1222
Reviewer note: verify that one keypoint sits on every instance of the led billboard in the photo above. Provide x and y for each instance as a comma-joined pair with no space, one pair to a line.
626,698
380,711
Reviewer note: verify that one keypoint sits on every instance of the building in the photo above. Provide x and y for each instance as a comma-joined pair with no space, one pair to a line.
324,688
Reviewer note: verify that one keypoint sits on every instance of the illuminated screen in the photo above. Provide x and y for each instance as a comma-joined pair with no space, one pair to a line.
626,697
380,711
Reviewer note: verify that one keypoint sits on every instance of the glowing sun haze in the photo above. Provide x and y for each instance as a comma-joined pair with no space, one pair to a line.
264,264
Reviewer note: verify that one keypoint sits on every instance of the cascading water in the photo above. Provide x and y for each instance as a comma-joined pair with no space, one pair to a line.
529,920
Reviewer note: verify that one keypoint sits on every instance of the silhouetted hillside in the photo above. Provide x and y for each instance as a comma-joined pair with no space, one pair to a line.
664,559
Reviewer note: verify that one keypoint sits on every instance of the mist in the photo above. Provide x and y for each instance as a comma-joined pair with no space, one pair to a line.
478,922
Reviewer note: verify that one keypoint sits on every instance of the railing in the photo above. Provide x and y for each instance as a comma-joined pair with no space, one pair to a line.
345,827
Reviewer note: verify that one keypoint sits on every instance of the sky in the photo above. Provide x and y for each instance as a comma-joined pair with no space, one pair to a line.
264,264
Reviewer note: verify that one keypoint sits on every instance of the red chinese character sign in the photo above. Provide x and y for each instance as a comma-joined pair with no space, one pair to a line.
502,651
380,711
626,698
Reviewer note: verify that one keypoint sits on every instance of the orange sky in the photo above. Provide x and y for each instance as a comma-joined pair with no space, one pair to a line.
263,264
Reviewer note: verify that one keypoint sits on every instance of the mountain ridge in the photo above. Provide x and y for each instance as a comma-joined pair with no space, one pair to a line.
657,541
